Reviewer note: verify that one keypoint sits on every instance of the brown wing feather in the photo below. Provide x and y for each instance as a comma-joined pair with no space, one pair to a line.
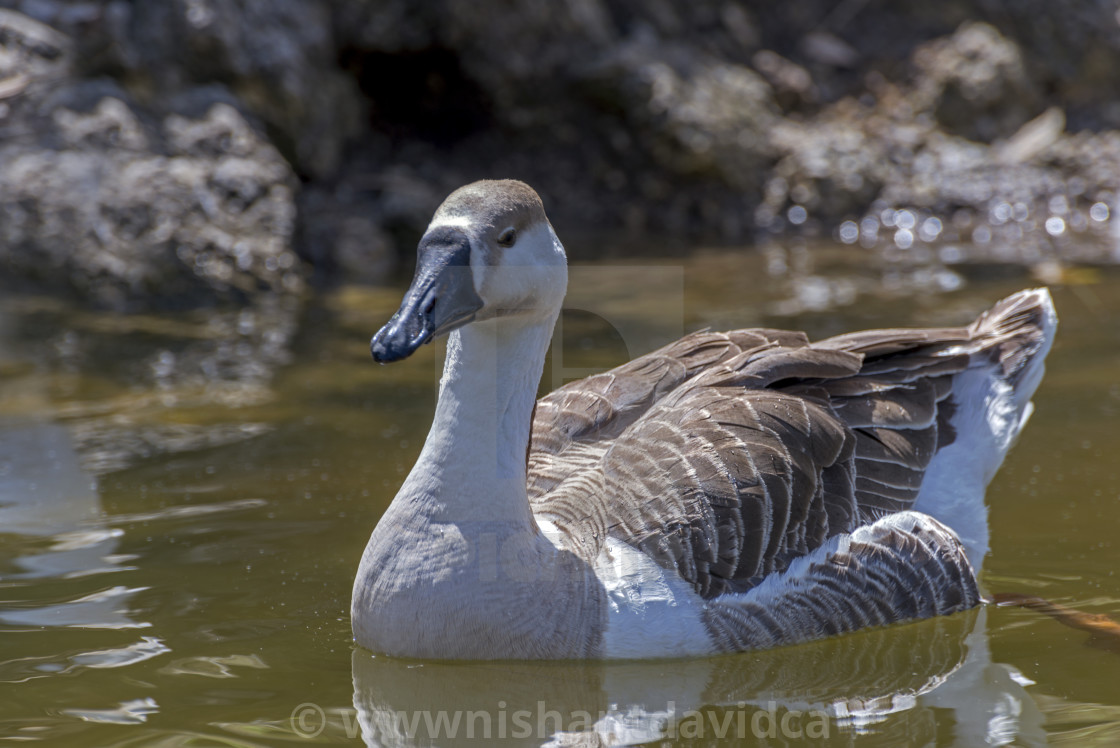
727,455
720,478
573,425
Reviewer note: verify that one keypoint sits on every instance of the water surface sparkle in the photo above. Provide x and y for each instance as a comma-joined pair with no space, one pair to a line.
176,554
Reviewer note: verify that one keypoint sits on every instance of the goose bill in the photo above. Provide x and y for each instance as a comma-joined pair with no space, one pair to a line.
440,299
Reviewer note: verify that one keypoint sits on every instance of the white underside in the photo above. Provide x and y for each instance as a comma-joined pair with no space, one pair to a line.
651,612
798,572
988,419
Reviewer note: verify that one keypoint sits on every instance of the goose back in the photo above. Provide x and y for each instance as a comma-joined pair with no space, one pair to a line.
726,456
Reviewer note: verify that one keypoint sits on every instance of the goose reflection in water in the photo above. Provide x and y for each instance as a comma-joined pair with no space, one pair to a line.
930,681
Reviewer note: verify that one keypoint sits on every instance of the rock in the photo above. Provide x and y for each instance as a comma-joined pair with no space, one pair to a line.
279,59
1071,52
693,115
792,84
831,166
976,83
960,151
638,116
706,119
345,239
126,209
126,226
1032,138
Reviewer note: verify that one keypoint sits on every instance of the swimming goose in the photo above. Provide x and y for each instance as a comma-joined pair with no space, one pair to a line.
730,491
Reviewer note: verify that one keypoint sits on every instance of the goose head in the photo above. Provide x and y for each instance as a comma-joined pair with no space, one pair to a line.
488,253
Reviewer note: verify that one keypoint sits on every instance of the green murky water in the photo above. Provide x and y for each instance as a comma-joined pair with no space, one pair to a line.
183,501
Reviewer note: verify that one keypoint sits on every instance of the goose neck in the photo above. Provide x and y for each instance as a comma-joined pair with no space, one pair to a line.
473,464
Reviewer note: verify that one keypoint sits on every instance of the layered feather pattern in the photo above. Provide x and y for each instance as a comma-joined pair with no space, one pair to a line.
727,456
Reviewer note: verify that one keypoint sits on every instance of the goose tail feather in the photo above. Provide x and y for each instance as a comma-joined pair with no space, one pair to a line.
1018,332
991,405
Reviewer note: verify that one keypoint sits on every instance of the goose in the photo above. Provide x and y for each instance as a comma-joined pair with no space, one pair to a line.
730,491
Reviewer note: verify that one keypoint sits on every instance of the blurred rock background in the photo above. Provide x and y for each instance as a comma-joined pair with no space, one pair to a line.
178,153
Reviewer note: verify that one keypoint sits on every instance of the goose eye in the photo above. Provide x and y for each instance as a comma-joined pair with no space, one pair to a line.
507,237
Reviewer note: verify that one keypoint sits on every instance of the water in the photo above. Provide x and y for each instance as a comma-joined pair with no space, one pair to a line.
183,502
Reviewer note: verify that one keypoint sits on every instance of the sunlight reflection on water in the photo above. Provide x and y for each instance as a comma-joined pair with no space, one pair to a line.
229,530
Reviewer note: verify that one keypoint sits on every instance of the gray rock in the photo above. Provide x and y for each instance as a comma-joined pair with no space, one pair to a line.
693,114
127,209
976,83
704,118
278,57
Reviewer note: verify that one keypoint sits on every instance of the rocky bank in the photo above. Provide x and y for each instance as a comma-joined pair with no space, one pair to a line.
174,153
